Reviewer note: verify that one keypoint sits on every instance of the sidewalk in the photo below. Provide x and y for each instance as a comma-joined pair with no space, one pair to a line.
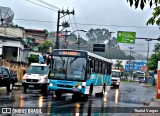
149,104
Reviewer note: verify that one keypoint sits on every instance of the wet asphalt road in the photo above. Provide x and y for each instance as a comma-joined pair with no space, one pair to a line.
128,95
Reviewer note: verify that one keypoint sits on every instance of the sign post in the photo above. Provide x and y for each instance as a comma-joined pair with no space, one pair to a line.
126,37
158,82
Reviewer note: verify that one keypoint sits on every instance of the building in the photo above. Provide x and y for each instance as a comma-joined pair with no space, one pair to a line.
12,32
38,35
12,48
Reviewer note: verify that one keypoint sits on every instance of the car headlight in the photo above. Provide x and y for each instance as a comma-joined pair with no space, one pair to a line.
117,83
83,83
41,80
51,84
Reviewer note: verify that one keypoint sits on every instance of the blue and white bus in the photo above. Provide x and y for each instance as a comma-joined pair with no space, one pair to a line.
79,72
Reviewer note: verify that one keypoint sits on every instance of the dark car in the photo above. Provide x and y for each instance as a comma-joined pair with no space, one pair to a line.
7,78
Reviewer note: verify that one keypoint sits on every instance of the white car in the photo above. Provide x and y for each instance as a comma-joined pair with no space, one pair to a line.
36,77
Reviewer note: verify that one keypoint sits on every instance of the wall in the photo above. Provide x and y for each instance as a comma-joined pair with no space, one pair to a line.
11,32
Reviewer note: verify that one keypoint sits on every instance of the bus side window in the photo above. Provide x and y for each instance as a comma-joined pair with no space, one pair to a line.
88,66
100,66
103,67
93,65
109,68
96,66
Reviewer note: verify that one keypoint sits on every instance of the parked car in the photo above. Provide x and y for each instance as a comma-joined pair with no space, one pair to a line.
141,79
36,77
7,78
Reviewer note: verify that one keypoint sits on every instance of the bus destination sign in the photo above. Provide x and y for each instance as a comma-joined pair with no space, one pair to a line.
69,53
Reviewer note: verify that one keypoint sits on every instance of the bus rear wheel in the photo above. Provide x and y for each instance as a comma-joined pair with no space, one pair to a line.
104,89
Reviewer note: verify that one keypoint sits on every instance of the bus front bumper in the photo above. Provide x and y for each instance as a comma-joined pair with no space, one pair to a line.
65,89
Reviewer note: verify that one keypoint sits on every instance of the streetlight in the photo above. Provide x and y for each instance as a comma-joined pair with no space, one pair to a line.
109,43
148,40
78,42
72,33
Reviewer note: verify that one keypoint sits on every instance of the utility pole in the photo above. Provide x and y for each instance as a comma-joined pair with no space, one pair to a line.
67,12
130,60
78,41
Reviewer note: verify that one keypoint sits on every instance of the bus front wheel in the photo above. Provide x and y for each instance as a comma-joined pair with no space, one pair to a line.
91,90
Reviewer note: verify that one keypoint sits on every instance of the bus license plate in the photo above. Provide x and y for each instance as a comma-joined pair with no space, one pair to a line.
31,86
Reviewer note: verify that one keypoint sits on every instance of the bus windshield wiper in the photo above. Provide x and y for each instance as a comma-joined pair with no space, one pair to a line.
62,60
73,60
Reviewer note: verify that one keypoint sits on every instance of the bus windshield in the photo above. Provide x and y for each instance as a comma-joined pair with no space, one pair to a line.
116,74
70,68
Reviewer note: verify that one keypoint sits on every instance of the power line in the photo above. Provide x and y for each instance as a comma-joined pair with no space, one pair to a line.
71,22
35,20
136,50
75,23
92,24
40,5
113,25
50,5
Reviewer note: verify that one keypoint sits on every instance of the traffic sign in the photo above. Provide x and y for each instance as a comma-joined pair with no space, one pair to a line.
126,37
99,48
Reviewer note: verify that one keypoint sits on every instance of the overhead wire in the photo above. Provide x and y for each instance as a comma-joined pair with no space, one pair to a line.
48,4
41,5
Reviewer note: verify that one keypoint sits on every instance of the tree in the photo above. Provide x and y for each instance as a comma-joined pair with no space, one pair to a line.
155,19
155,57
118,64
157,48
32,58
44,47
98,35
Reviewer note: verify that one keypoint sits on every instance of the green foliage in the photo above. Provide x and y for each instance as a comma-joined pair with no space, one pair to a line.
32,58
155,57
118,64
126,74
44,47
155,19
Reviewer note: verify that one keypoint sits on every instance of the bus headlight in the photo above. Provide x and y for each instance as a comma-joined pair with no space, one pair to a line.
51,84
83,83
79,87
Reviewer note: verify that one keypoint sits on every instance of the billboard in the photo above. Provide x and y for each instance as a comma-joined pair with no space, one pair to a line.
126,37
135,65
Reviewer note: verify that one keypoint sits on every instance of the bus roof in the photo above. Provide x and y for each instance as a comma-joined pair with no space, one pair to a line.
89,53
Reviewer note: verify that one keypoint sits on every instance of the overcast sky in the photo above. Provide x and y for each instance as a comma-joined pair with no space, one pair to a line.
114,15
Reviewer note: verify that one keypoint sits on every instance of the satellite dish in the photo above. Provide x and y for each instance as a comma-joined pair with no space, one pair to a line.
6,16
